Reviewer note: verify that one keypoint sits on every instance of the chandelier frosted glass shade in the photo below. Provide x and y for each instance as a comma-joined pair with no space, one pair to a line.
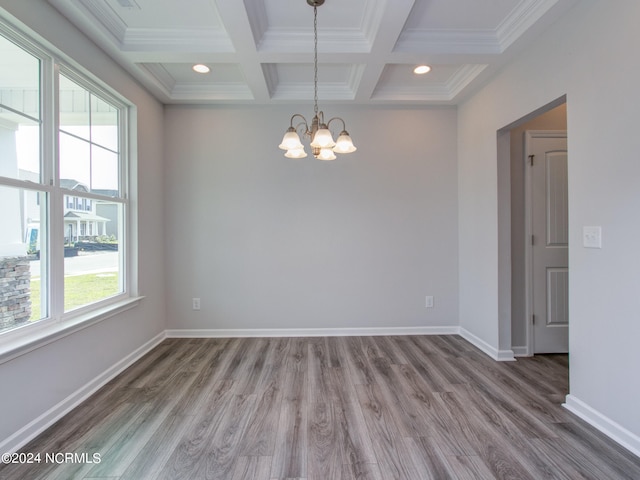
323,139
296,153
291,141
344,143
326,154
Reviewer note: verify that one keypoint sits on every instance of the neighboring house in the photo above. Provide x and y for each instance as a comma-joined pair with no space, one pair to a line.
81,222
84,218
108,210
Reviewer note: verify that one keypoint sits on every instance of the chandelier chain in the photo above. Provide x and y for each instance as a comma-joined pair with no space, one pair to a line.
315,60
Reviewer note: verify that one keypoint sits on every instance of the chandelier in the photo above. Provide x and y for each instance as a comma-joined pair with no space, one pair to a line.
322,145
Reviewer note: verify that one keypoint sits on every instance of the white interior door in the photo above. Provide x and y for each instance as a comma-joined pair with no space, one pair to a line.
548,185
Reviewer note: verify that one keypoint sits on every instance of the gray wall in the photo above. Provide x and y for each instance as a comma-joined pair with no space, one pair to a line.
587,55
35,383
275,243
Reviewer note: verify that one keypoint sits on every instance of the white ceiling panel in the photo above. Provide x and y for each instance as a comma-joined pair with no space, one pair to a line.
261,51
447,14
157,14
294,81
398,83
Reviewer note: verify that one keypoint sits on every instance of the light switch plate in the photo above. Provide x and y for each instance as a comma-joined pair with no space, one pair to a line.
592,237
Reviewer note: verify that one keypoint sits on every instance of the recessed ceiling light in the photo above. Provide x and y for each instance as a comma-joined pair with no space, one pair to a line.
200,68
421,69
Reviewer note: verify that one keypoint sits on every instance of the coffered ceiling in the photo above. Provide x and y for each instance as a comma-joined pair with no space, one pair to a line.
261,51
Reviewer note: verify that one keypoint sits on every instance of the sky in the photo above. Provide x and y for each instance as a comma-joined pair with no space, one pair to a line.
94,166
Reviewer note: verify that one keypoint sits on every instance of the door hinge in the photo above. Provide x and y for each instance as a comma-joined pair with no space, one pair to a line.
533,319
533,239
531,159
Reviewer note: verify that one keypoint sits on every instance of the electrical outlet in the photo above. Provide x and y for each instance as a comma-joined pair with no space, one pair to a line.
196,304
429,301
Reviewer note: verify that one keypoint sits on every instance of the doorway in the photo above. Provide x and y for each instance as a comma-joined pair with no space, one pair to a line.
515,320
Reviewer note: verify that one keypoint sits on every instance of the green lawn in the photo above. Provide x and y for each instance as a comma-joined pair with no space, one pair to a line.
79,290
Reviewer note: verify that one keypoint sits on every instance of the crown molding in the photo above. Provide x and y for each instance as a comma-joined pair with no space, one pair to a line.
463,77
210,40
215,92
520,20
257,16
102,14
438,92
327,91
332,41
448,41
358,39
154,39
163,79
476,41
177,91
304,91
270,72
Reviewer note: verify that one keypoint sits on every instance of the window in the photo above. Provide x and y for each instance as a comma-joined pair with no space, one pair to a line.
63,190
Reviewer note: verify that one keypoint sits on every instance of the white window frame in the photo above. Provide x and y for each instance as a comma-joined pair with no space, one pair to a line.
59,323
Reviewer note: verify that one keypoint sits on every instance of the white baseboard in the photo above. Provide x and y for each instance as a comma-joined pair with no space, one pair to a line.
48,418
520,351
499,355
308,332
613,430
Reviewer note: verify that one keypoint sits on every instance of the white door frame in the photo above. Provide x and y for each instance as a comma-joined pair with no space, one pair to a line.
528,248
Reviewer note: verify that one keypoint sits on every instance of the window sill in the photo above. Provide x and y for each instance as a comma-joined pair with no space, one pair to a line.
20,345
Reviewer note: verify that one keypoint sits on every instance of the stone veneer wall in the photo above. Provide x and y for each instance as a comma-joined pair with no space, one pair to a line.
15,291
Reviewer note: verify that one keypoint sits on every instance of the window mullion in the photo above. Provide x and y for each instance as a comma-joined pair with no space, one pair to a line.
56,208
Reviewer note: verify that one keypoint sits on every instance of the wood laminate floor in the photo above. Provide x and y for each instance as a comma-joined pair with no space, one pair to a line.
343,408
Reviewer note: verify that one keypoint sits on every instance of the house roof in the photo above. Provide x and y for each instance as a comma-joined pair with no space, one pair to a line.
84,216
71,184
